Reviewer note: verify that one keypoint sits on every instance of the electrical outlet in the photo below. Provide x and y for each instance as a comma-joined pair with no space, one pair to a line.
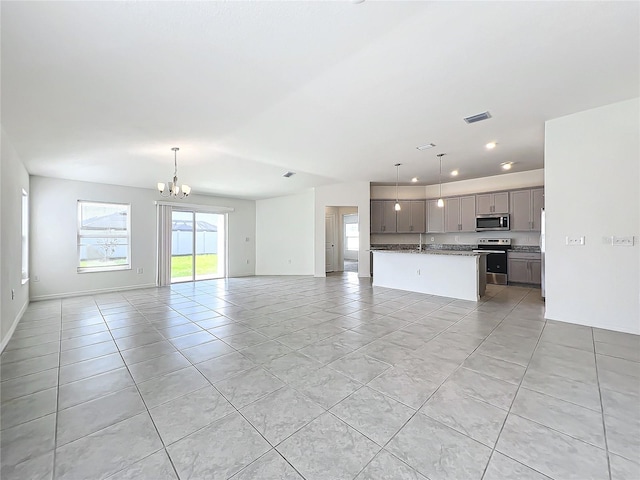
139,271
247,261
622,241
36,278
13,294
246,239
574,241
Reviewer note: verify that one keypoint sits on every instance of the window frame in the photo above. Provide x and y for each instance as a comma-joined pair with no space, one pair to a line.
79,237
347,236
24,232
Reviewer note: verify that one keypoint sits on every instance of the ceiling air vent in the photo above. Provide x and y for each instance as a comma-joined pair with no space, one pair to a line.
478,118
289,174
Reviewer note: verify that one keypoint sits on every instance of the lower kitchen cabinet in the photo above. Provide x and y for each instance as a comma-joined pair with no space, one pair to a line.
524,268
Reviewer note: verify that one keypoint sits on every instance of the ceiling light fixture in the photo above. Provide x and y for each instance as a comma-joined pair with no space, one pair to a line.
490,145
506,165
440,202
426,146
414,179
288,174
175,190
454,173
397,205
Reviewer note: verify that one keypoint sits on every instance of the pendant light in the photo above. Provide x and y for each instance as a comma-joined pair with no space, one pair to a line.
397,205
175,190
440,202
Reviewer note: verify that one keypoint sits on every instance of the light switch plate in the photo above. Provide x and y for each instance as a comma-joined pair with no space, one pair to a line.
622,241
574,241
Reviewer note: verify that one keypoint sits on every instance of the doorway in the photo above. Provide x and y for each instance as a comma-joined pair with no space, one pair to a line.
351,243
342,239
197,245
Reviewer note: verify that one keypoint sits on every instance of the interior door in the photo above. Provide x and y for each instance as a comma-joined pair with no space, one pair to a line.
329,242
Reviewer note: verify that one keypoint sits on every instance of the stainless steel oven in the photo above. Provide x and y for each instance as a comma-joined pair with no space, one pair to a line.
492,221
497,249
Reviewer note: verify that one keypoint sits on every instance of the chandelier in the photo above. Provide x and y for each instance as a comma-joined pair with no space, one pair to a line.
175,190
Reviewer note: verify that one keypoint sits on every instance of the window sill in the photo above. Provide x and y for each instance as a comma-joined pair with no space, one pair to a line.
103,269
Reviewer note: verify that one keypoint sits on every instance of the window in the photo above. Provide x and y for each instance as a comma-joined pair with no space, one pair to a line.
104,236
352,235
25,237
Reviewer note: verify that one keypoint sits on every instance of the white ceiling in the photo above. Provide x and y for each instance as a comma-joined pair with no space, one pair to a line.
335,91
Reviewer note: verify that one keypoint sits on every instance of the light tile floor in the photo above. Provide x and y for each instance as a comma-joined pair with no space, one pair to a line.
306,378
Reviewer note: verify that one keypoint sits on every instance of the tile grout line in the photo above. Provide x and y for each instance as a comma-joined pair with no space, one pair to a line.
604,424
442,383
55,431
512,402
164,447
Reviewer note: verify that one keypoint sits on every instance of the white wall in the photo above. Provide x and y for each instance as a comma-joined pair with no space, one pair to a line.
592,178
53,236
355,194
13,179
284,235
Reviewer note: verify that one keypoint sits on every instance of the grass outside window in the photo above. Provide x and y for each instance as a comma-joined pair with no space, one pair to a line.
206,264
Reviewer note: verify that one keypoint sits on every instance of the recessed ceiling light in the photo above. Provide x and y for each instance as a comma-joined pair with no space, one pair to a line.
414,179
288,174
490,145
426,146
506,165
454,173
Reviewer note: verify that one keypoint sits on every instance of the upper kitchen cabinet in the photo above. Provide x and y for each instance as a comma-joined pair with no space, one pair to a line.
412,217
460,214
435,217
383,216
526,206
492,203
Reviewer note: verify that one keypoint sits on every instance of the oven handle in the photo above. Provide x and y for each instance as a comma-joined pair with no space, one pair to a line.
489,251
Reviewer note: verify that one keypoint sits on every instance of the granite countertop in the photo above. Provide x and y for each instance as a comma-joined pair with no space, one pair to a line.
525,248
440,247
462,253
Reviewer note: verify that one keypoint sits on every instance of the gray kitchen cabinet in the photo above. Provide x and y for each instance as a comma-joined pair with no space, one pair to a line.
524,268
460,214
435,217
537,201
452,214
525,207
492,203
412,217
383,216
468,213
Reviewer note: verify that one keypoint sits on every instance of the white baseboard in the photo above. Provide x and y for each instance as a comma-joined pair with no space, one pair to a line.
53,296
9,334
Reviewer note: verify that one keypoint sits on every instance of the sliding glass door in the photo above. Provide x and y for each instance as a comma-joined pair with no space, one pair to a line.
197,245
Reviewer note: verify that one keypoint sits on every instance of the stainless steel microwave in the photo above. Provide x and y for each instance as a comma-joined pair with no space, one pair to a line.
492,222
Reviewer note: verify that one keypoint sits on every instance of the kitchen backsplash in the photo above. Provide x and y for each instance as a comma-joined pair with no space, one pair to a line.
517,238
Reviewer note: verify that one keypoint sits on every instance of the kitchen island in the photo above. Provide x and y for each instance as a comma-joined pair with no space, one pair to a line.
447,273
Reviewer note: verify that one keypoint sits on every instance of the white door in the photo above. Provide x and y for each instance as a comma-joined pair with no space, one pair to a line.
329,242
